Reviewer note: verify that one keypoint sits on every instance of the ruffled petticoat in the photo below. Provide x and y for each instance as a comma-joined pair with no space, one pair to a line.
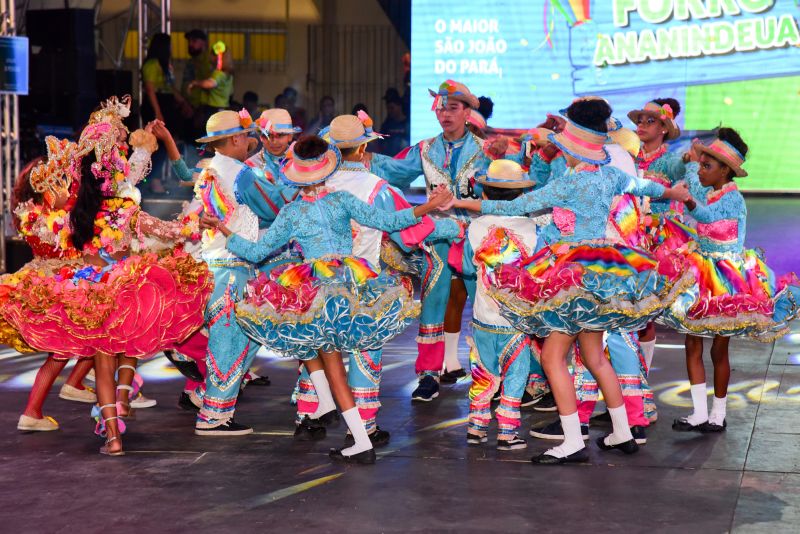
137,306
570,287
734,295
335,303
666,234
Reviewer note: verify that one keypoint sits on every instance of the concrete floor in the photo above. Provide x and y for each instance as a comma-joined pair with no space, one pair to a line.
427,479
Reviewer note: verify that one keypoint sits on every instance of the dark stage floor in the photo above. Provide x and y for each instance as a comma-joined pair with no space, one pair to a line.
427,479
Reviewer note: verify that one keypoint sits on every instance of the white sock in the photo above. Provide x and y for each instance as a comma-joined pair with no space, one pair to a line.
648,348
700,404
718,409
359,432
325,398
619,421
573,440
451,362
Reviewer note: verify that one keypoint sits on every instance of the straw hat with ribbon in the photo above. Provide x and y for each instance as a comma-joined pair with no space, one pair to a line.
505,174
310,171
455,90
724,152
476,119
350,131
624,137
226,124
582,143
664,113
276,121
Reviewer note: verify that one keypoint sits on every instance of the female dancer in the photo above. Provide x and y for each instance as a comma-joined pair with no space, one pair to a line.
332,302
735,293
111,302
582,285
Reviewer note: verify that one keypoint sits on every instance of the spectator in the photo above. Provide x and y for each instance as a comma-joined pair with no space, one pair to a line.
326,113
162,99
395,126
280,102
298,114
198,68
218,86
250,103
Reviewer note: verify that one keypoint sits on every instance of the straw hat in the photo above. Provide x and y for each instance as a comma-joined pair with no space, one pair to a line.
476,119
279,120
724,152
505,174
582,143
226,124
456,91
349,131
624,137
311,171
665,113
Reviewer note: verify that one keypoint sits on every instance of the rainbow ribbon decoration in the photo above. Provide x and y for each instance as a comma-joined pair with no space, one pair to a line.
625,217
214,201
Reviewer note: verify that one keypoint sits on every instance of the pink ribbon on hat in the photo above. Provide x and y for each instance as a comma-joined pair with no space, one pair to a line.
578,141
315,167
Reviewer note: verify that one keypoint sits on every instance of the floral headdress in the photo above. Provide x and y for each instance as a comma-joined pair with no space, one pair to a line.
101,135
58,172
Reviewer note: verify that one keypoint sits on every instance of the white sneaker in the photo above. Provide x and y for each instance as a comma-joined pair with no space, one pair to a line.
143,402
31,424
71,393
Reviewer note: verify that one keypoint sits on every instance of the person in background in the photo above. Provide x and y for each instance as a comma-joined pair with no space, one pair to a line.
289,103
218,86
161,99
395,126
197,68
250,103
327,111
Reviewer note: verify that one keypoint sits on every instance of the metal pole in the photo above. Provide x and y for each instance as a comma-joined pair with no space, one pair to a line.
9,137
141,27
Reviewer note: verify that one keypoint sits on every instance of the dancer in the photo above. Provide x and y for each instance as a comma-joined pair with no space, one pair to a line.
113,302
277,132
452,158
655,125
332,302
500,354
583,285
33,207
247,202
735,293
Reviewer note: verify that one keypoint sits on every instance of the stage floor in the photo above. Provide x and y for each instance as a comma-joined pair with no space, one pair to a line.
427,479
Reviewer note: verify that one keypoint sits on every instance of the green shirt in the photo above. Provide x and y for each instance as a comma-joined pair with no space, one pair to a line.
153,73
197,68
220,96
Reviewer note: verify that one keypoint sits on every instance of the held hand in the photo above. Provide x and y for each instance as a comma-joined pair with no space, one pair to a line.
447,205
679,192
439,196
498,146
212,223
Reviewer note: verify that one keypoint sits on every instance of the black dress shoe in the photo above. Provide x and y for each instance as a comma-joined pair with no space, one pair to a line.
580,456
451,377
187,369
261,381
682,425
628,447
330,419
603,417
363,458
710,428
185,402
379,438
307,430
